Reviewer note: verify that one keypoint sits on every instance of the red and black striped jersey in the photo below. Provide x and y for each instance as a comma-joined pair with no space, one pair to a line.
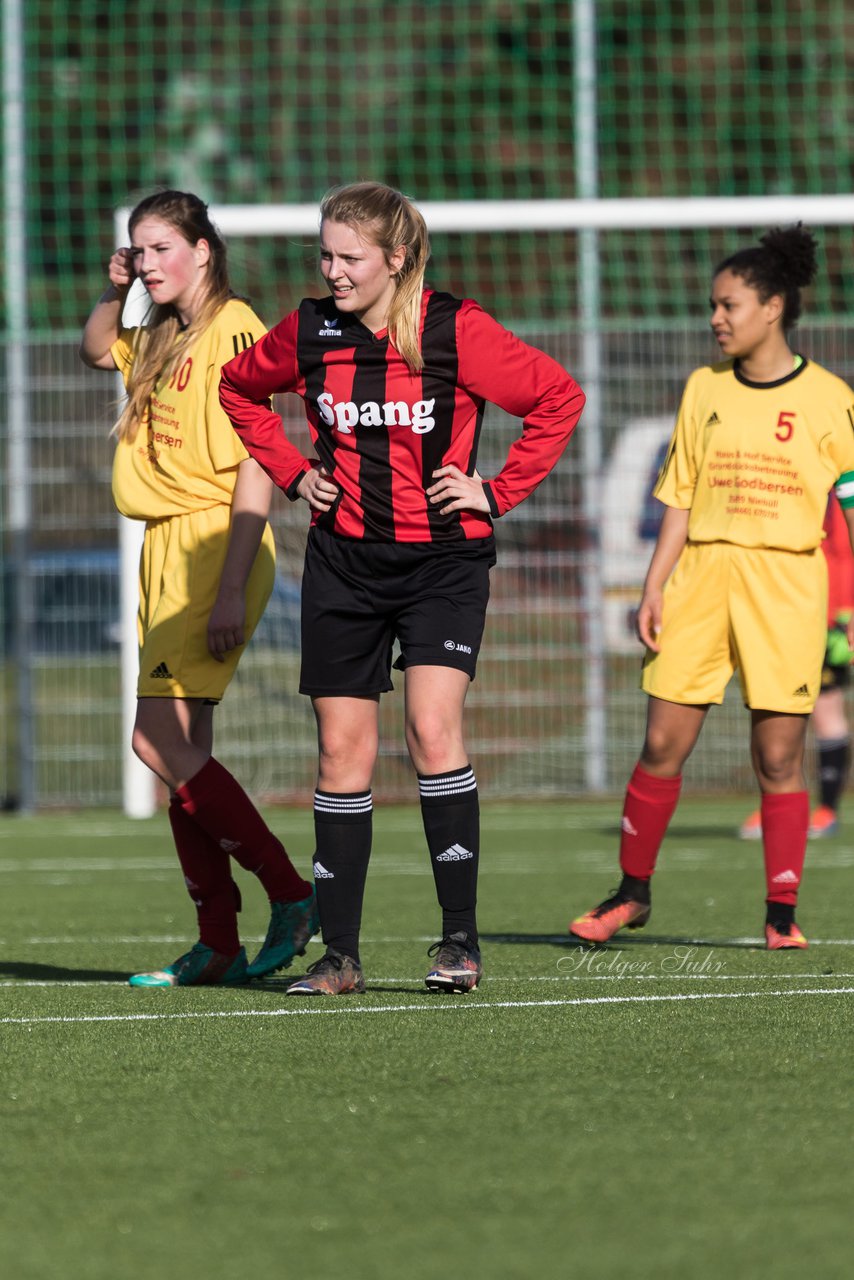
381,431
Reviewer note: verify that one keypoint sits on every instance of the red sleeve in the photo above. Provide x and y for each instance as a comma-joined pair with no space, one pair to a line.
497,366
840,565
246,384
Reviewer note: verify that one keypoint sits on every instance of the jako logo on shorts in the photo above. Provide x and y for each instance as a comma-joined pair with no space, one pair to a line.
346,414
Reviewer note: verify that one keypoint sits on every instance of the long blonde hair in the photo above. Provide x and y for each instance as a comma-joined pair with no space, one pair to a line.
159,343
389,219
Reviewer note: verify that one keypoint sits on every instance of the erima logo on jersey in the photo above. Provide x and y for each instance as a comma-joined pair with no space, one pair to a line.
329,330
456,853
346,414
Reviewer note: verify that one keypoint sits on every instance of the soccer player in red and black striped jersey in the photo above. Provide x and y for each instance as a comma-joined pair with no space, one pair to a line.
394,377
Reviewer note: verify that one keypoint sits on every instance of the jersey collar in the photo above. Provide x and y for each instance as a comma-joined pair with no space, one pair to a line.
768,386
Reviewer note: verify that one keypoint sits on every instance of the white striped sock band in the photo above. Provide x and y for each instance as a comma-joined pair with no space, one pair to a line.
343,806
447,784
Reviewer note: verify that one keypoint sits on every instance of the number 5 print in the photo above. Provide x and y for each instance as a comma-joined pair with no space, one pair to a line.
785,427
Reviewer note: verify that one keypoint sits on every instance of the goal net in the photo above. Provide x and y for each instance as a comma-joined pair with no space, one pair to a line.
555,708
499,110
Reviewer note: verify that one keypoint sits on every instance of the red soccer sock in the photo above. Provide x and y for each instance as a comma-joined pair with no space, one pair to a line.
785,822
207,875
215,800
647,810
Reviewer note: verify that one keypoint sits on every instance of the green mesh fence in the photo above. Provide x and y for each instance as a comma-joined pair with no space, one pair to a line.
248,102
245,101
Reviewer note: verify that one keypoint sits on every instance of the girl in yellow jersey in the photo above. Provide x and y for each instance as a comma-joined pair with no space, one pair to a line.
206,571
737,580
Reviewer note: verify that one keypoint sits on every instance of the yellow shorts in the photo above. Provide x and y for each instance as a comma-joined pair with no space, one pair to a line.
179,573
762,612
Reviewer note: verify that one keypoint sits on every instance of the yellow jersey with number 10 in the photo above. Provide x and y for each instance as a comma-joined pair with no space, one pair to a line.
186,453
754,462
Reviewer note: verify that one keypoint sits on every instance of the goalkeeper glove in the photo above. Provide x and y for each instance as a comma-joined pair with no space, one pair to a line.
838,649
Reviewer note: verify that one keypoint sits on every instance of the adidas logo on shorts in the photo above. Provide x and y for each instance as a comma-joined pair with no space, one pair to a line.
803,692
160,672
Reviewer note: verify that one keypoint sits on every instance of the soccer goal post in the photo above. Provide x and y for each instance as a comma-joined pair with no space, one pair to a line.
587,219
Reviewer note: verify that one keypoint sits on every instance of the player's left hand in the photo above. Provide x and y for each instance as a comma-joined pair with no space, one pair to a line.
457,490
225,625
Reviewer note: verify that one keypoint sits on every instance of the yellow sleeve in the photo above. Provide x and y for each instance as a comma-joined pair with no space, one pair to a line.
677,479
237,329
841,444
122,351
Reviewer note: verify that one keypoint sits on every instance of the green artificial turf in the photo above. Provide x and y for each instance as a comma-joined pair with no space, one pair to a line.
677,1104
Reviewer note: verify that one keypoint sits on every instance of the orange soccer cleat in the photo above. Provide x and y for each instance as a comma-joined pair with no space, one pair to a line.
823,822
751,828
624,909
782,935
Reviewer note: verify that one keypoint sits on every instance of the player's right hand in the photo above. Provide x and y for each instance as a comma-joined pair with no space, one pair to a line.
318,488
648,622
121,269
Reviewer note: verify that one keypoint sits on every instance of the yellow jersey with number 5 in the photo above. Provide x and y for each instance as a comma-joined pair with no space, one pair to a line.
754,462
186,452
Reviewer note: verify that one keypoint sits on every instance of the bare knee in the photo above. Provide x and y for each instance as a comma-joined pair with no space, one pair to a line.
778,769
777,751
662,754
434,744
672,730
346,761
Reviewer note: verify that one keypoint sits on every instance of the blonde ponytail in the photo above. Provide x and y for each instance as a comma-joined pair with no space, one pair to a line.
390,220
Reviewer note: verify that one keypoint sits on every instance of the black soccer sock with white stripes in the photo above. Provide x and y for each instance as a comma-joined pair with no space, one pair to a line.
343,829
451,814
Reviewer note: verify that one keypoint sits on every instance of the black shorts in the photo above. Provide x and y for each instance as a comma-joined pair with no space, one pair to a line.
359,597
834,677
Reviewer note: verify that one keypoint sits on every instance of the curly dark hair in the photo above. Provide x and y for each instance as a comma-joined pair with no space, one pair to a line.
784,261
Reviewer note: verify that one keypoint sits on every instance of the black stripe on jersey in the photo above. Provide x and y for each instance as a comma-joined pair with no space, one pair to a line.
242,342
662,470
372,443
438,382
313,371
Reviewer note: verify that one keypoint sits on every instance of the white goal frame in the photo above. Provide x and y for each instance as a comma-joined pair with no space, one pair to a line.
587,217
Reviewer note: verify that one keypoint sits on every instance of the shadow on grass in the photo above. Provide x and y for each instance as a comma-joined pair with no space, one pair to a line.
619,942
279,985
56,973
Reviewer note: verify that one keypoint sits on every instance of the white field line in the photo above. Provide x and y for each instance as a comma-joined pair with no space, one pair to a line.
438,1006
277,984
494,817
685,860
498,818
